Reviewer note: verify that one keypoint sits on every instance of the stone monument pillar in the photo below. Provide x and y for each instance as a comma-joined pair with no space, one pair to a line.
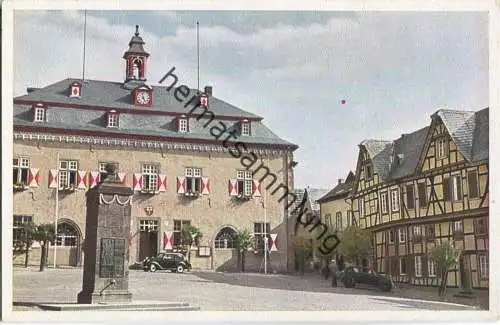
107,231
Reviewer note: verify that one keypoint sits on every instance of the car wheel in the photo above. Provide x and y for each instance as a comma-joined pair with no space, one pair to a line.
348,283
180,269
153,268
386,287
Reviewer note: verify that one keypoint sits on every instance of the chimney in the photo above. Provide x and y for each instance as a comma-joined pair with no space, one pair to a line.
340,180
208,91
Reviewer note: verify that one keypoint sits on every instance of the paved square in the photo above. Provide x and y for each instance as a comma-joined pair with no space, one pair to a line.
220,291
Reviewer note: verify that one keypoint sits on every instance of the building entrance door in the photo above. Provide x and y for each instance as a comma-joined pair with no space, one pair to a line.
148,239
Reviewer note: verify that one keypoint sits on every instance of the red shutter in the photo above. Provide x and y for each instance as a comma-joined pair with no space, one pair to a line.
53,174
181,185
137,182
95,178
232,187
82,179
205,185
162,183
34,177
256,188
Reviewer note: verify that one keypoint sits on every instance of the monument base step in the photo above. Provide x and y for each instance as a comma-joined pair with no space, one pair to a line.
125,306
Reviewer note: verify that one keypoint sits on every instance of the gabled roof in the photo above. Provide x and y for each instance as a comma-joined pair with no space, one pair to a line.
313,194
380,153
134,120
341,190
460,125
406,153
480,144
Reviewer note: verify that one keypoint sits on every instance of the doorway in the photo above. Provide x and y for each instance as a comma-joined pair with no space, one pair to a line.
148,238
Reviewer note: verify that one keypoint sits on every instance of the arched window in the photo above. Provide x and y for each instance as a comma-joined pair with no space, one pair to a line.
67,235
225,238
135,70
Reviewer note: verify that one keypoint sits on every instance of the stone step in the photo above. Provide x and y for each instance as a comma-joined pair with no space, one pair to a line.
135,306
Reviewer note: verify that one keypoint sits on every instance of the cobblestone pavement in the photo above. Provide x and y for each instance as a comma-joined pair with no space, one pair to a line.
219,291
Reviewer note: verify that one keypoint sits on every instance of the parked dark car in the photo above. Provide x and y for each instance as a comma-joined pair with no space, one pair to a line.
356,275
175,262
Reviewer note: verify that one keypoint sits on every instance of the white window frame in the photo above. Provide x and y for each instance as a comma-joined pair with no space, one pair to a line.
395,200
401,235
177,233
245,128
361,207
441,148
400,266
338,220
460,225
392,238
383,202
68,170
193,179
22,164
484,266
149,176
244,177
454,179
418,266
431,268
112,120
183,125
419,232
19,221
39,114
102,168
259,235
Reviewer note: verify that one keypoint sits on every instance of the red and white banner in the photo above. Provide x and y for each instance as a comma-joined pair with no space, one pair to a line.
167,240
272,244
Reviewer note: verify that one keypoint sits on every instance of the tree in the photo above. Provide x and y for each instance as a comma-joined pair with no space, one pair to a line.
303,248
355,244
244,241
445,257
191,235
27,238
44,233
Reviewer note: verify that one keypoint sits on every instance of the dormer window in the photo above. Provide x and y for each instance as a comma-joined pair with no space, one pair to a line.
245,128
39,113
113,119
76,89
183,125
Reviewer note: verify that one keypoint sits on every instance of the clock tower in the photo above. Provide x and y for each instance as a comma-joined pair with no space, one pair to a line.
136,60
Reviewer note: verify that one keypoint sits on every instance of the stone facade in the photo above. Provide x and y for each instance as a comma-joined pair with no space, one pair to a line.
210,213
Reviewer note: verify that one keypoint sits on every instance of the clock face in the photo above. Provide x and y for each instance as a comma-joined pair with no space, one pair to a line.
143,98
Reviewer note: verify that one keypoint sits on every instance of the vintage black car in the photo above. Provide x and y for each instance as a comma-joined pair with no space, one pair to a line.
175,262
356,275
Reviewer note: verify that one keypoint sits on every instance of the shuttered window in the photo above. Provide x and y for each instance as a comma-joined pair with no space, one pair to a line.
410,197
422,195
473,184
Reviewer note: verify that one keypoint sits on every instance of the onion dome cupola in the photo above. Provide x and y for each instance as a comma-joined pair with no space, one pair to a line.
136,59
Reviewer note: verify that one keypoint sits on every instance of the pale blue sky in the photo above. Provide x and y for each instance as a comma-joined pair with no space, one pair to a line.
394,69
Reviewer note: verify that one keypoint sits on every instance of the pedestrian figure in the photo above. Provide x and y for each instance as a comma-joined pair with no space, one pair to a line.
333,270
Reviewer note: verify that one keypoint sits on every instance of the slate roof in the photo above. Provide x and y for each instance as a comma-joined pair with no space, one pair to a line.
399,158
97,93
341,190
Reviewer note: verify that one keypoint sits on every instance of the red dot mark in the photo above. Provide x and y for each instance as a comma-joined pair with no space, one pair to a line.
343,101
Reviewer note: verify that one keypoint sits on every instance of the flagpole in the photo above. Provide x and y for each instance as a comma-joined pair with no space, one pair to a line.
84,41
57,212
266,244
198,51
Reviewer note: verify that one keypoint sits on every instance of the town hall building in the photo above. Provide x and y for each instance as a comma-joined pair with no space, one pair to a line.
182,175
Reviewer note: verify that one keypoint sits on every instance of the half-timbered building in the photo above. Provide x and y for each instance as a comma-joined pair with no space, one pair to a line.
424,189
184,167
